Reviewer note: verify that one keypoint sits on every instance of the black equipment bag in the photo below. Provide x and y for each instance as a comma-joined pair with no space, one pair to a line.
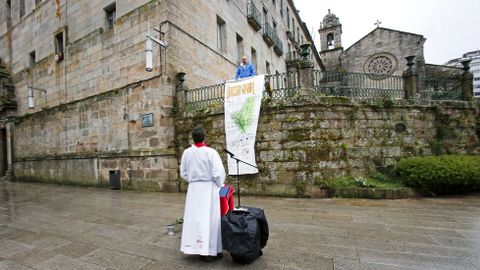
245,233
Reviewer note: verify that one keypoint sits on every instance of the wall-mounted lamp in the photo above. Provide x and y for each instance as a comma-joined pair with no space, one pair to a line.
30,100
149,49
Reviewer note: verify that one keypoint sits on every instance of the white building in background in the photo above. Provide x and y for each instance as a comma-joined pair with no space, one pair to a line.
474,68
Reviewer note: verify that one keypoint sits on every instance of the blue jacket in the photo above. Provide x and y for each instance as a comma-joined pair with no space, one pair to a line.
245,71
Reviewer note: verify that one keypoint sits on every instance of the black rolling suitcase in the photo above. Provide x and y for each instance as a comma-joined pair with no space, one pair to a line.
245,233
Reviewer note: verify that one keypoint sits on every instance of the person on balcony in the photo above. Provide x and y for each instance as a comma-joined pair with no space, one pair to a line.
245,69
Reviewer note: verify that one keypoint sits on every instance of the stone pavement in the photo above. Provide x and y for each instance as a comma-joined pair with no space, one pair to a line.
63,227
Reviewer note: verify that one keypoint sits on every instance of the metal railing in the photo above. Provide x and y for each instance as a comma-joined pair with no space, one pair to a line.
284,86
440,88
277,87
278,45
358,85
253,15
268,34
211,96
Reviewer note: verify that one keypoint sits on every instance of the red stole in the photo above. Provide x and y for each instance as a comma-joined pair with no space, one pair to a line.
200,144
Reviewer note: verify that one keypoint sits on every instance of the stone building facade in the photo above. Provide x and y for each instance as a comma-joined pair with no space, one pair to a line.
86,107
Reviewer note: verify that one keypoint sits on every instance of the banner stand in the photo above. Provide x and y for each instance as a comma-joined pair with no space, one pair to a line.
238,172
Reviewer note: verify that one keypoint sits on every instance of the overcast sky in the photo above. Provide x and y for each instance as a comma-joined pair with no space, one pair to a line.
451,27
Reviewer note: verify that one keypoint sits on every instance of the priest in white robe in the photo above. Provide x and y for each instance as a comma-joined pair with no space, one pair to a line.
202,167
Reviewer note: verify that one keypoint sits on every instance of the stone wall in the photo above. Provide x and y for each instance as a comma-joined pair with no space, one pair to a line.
331,59
443,72
304,141
148,171
81,142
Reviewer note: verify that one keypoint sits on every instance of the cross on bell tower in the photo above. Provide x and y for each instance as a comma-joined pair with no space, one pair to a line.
377,23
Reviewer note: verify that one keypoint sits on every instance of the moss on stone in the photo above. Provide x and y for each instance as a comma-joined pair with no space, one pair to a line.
298,135
300,186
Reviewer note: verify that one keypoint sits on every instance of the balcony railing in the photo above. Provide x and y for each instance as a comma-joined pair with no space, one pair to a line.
278,45
268,34
253,16
291,36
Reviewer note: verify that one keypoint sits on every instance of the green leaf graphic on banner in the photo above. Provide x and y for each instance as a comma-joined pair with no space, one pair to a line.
244,117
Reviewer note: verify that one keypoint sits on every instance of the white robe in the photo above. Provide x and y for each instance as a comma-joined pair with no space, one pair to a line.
203,169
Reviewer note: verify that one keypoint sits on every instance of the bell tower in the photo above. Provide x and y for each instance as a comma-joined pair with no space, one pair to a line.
330,32
330,41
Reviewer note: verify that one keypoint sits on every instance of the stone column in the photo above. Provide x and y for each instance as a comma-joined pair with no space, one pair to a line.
411,83
9,173
180,91
467,81
305,73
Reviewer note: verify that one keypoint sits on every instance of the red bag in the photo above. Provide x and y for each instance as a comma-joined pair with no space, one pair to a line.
226,199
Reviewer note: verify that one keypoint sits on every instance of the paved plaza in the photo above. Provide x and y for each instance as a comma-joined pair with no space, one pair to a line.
63,227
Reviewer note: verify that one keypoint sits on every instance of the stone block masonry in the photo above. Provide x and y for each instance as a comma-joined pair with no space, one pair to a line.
304,141
81,142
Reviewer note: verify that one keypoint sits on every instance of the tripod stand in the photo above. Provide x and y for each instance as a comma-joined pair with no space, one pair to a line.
238,171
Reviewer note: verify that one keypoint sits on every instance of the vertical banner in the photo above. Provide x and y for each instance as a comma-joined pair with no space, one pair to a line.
242,108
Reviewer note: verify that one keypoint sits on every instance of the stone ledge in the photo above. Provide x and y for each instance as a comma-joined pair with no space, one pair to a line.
103,155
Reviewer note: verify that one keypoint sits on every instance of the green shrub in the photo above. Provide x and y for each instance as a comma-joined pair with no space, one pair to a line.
440,174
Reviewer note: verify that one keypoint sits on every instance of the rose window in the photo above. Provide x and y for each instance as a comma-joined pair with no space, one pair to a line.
380,65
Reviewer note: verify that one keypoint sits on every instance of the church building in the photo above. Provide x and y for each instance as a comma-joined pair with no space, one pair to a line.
382,51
